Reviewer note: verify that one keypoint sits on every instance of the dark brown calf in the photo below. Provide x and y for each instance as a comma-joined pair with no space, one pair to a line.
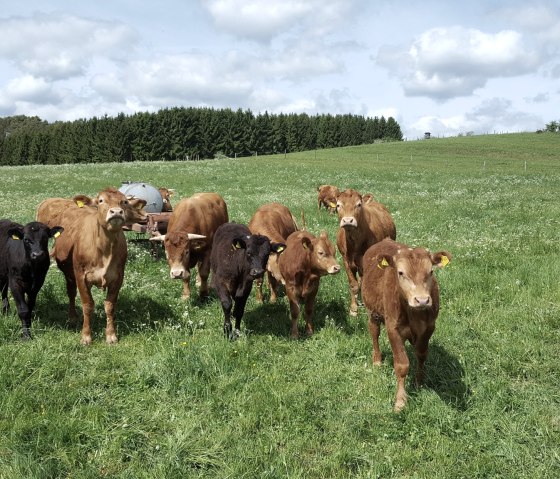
400,289
302,264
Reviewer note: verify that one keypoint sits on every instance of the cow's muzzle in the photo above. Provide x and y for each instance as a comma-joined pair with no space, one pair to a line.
256,272
348,222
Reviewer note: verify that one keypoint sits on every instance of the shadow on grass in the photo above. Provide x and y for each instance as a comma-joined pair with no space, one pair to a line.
268,318
444,375
132,313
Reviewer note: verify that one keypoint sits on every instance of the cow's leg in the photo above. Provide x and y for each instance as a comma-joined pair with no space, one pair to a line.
23,310
238,311
374,326
203,273
110,305
227,303
421,351
309,306
87,310
5,302
401,365
259,290
274,284
294,311
186,284
351,272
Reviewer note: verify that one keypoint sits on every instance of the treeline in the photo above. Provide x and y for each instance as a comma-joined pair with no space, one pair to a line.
182,134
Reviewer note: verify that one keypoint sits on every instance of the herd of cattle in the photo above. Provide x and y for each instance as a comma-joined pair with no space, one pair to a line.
396,282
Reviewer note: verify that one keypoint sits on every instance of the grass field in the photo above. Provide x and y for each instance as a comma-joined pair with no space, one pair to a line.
175,399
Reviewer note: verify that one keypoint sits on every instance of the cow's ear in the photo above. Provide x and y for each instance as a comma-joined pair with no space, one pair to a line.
441,259
238,243
367,198
278,247
306,243
384,261
137,203
15,233
83,200
55,231
197,244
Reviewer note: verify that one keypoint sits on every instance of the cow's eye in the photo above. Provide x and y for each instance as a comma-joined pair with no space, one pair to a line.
125,202
358,204
401,274
100,200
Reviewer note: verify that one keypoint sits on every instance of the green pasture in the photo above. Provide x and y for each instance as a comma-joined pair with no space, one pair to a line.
175,399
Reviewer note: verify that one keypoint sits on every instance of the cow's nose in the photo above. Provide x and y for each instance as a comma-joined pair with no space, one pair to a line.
348,221
176,273
422,301
256,272
334,269
116,212
37,254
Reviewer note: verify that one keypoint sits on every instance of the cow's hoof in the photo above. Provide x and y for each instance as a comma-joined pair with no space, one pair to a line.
112,339
235,334
353,313
85,341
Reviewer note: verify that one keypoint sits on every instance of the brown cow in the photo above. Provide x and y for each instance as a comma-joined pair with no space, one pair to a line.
51,209
92,252
327,197
363,222
276,222
305,260
400,289
188,241
166,195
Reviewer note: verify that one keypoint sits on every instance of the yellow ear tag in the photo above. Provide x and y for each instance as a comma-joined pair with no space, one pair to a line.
80,204
56,235
304,245
383,264
15,237
444,261
237,245
280,249
332,205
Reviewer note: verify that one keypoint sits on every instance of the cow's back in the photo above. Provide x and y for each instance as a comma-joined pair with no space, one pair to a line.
273,220
379,222
200,213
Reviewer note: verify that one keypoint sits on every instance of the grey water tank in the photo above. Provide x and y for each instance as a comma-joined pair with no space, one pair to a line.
144,191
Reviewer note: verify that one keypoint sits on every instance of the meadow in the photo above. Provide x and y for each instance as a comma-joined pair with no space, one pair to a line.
175,399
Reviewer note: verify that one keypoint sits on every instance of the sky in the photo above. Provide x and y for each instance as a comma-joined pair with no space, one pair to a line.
444,67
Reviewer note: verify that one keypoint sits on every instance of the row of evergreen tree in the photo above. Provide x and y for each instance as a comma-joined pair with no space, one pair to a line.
183,134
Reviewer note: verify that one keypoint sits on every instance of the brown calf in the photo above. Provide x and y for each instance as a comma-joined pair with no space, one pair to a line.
166,195
363,222
400,289
92,252
276,222
305,260
326,197
188,241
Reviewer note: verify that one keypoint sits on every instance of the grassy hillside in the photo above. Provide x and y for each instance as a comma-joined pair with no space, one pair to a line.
175,399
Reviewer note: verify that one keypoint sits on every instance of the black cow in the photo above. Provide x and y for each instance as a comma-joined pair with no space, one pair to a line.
238,257
24,262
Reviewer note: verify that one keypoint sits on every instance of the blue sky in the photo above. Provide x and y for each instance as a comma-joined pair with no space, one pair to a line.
445,67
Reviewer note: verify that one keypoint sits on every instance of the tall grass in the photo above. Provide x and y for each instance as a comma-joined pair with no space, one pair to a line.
175,399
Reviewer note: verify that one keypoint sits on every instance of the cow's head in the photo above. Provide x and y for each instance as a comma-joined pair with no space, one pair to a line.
135,212
178,248
256,249
114,209
322,254
166,195
349,208
35,238
414,269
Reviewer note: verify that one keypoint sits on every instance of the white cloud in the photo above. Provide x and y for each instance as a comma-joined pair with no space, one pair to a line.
444,63
262,20
60,46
